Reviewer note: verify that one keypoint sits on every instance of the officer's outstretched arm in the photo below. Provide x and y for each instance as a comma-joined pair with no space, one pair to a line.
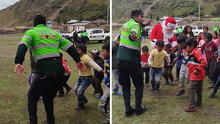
73,53
19,59
20,55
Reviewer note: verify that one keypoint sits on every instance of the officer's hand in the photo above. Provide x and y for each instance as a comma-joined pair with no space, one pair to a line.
19,69
133,36
147,22
81,66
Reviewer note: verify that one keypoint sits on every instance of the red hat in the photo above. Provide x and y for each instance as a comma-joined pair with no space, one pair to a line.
170,22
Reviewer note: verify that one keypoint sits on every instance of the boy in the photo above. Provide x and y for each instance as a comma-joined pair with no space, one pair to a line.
196,66
66,77
144,63
116,88
209,48
184,74
105,100
216,75
156,61
85,75
169,66
98,76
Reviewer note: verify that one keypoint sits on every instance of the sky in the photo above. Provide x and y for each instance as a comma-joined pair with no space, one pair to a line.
6,3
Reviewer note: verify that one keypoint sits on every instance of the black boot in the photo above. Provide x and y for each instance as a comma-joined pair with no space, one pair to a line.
33,120
80,107
51,120
140,110
129,111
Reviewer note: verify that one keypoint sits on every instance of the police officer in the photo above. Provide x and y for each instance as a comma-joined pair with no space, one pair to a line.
84,36
128,61
44,44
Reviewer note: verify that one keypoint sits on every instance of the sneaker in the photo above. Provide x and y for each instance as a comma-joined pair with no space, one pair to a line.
190,108
129,112
210,87
117,93
95,92
172,83
60,95
180,92
80,107
140,111
98,96
166,83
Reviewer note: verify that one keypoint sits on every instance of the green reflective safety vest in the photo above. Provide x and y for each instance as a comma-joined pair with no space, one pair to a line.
84,34
215,29
44,42
126,30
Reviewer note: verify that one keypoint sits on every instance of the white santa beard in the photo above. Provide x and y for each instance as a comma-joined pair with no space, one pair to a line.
166,35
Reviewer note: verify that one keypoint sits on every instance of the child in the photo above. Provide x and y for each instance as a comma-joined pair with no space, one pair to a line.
144,63
188,31
215,38
98,76
116,88
169,66
184,74
157,59
196,66
105,100
85,75
201,35
216,74
209,48
66,77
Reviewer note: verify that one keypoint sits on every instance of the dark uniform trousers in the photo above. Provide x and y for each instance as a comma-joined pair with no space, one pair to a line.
127,70
45,87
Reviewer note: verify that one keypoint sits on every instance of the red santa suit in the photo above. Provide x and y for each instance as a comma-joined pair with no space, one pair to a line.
159,32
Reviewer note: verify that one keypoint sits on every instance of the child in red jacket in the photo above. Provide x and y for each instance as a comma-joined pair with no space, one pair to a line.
196,66
66,78
209,48
144,64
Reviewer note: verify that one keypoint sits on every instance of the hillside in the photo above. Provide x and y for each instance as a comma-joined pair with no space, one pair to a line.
23,12
159,8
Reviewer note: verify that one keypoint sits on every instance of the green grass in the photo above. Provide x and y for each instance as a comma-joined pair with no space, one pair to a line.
13,91
167,108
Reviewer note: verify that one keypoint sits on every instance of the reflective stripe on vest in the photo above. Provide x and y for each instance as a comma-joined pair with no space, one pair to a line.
44,45
129,44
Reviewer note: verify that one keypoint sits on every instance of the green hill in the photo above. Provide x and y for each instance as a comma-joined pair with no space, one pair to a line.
23,12
159,8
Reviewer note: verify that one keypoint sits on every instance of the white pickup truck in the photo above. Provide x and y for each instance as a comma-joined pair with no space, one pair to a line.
196,30
98,35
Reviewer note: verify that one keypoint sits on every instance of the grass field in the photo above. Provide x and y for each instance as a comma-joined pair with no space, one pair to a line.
13,91
167,108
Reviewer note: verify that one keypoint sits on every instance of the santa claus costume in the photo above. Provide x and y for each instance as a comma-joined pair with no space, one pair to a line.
165,32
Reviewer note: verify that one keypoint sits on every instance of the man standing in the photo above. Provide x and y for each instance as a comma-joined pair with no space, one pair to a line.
165,32
128,61
44,44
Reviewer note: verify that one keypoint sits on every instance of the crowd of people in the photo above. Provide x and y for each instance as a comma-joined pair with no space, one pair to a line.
194,58
50,72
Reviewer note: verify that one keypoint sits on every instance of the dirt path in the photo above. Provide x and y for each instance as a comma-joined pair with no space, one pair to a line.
55,14
148,9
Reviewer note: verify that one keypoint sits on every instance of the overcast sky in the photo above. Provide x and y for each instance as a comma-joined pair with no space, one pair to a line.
6,3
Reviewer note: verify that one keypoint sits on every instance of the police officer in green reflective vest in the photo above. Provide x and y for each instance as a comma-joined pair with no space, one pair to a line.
44,44
128,61
84,36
